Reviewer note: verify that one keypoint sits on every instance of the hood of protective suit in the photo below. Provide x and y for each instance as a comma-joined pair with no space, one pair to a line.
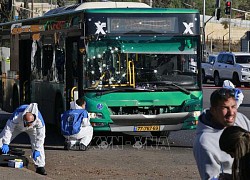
73,105
32,108
228,84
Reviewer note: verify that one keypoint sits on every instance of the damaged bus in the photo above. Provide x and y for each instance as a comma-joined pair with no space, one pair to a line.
131,62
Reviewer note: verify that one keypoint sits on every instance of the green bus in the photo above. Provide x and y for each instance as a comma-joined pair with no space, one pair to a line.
138,68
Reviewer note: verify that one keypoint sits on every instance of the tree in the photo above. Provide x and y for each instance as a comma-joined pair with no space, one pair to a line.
23,12
5,12
60,3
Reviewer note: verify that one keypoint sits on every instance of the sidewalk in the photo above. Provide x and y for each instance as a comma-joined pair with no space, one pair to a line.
8,173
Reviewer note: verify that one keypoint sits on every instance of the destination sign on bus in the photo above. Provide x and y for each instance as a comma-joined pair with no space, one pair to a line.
142,24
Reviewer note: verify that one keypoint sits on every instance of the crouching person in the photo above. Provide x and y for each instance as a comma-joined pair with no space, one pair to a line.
26,118
76,127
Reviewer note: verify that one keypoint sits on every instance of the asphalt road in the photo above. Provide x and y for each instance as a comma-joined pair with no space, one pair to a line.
121,156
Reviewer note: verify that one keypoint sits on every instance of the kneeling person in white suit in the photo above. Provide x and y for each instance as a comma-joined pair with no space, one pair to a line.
84,136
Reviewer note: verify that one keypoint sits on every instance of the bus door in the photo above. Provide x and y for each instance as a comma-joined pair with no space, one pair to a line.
72,67
24,70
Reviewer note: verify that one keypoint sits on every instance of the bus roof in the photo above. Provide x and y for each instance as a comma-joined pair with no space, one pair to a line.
97,5
144,10
94,5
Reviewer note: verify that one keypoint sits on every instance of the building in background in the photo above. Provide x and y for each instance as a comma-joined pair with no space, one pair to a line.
35,9
245,42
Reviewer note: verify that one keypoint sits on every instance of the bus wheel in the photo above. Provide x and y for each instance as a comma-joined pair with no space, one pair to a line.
58,111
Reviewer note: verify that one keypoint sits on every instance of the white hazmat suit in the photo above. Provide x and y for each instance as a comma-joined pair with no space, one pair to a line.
86,131
238,93
36,132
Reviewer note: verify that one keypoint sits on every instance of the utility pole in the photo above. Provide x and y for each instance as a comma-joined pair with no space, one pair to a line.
32,9
230,17
223,41
228,11
203,30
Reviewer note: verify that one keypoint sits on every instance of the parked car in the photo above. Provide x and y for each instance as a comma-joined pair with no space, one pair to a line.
208,68
234,66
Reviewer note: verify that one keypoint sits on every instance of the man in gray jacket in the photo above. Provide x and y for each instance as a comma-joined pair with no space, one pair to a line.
27,119
211,161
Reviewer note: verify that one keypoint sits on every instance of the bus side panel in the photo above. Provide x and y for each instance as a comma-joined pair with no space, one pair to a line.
47,94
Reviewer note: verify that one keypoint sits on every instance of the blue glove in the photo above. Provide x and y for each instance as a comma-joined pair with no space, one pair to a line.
5,148
36,154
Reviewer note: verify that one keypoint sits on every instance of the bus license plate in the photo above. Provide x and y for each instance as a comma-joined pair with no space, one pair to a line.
147,128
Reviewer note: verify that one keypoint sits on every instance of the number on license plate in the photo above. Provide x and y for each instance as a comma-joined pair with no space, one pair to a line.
147,128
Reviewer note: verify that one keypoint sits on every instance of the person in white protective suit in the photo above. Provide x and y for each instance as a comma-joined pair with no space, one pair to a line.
85,134
238,93
26,118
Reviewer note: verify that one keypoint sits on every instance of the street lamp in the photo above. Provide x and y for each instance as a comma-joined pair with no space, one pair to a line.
217,16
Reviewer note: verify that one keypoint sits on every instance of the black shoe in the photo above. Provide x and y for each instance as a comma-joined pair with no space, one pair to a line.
66,146
82,147
41,170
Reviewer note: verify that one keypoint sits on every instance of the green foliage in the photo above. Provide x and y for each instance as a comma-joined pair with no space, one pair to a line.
60,3
24,14
5,13
194,4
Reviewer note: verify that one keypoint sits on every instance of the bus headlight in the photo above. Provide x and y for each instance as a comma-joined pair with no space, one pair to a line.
196,113
95,115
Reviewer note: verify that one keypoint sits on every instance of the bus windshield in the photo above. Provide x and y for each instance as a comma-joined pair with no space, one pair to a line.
127,62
